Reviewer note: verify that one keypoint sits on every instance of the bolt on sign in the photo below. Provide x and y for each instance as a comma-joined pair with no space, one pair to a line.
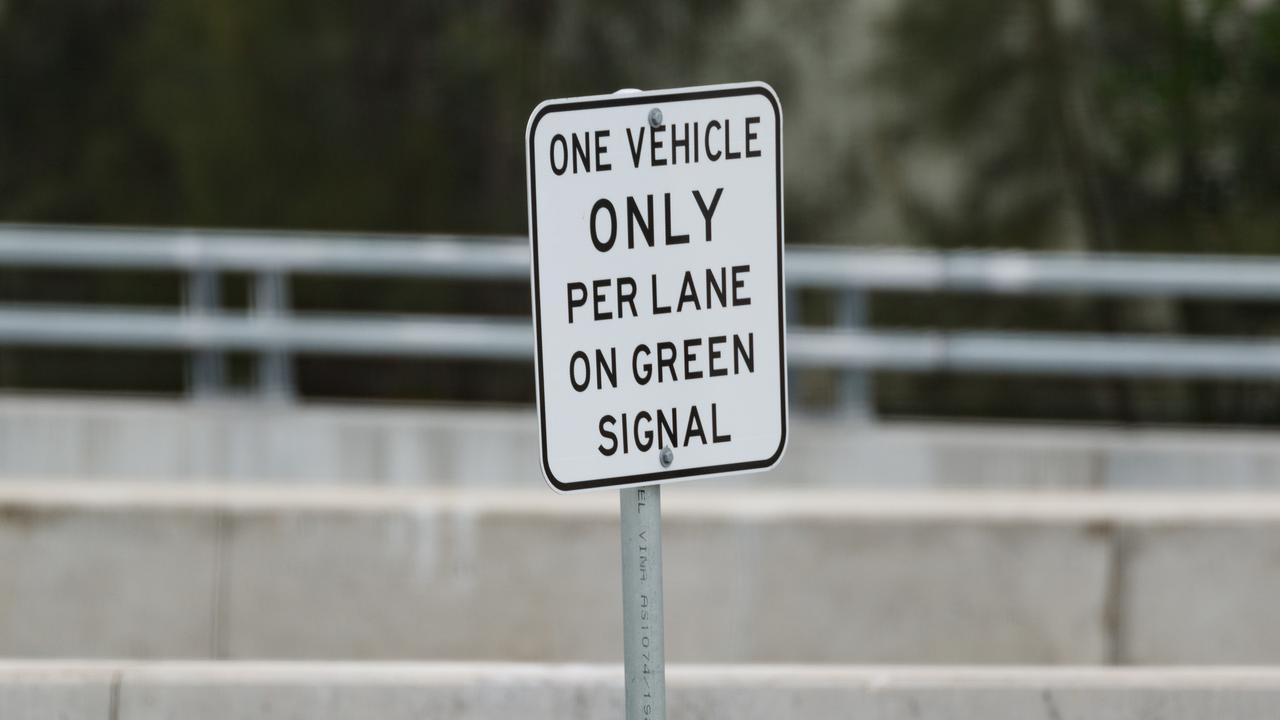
655,220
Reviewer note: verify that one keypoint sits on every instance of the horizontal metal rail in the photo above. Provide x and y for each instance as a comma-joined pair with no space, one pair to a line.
1060,354
275,333
506,339
1024,273
501,339
493,257
507,258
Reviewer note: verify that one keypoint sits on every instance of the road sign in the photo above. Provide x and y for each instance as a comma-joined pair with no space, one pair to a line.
655,220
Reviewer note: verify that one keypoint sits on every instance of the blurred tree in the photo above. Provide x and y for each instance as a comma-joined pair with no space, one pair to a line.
391,116
1143,125
396,116
1137,126
1134,126
71,146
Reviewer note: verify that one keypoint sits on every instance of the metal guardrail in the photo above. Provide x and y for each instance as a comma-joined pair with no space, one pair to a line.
507,257
274,332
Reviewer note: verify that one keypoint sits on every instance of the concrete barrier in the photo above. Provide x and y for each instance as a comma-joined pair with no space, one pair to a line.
166,440
64,690
280,691
154,571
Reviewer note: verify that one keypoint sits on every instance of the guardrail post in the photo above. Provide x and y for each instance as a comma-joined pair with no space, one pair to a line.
853,389
270,303
207,371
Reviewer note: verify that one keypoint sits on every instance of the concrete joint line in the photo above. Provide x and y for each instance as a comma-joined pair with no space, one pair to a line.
1114,600
1050,705
219,636
113,706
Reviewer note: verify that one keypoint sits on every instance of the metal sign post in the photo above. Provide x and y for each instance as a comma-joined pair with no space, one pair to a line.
659,314
642,618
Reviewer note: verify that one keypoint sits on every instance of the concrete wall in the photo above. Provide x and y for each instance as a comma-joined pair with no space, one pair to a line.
169,440
148,571
255,691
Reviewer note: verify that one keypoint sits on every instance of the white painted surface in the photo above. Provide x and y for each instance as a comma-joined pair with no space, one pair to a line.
357,691
57,691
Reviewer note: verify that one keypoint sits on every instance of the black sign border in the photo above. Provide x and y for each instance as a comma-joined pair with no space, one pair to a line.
643,99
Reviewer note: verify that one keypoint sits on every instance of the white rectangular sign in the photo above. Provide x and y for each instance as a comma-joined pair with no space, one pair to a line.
655,221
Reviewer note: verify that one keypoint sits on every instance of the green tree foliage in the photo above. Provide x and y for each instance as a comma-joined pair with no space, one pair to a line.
400,115
1145,125
1142,125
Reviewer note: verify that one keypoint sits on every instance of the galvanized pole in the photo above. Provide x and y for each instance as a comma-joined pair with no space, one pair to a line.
642,603
644,657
